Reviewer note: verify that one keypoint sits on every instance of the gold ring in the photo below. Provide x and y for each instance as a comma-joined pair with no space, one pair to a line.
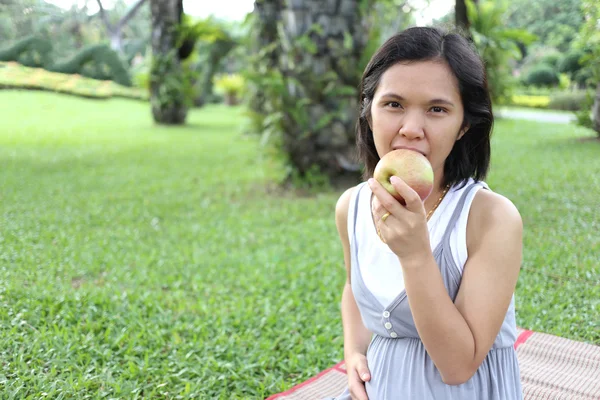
384,217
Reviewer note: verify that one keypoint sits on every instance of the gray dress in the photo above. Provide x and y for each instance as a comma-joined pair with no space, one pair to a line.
399,364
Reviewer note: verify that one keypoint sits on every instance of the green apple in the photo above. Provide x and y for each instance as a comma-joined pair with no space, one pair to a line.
410,166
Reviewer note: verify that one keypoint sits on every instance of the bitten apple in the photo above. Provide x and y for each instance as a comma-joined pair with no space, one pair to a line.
410,166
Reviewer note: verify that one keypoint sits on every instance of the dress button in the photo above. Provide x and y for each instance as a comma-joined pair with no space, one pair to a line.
386,314
394,334
388,325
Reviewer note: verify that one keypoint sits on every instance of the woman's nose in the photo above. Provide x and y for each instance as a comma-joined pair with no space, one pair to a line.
412,126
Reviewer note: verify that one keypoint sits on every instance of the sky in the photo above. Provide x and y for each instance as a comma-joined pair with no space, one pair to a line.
236,10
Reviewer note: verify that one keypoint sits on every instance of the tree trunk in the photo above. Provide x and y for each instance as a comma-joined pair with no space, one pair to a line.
167,81
116,32
321,73
264,62
116,41
596,111
460,16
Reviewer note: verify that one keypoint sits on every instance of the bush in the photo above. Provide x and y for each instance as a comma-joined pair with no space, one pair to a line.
98,62
583,77
542,75
574,101
570,63
231,86
530,101
17,76
31,51
552,59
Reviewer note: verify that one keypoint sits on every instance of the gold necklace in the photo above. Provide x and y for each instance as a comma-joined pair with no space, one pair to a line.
438,202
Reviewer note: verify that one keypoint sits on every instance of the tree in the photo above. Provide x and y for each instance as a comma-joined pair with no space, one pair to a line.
589,41
461,16
312,94
556,23
496,44
168,80
115,32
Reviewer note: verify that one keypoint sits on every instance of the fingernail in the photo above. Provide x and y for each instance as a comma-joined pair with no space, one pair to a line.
365,376
370,181
394,179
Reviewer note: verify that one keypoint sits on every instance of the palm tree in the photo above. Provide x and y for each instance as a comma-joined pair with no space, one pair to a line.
321,48
167,78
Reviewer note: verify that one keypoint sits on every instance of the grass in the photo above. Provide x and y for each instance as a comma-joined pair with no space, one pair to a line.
152,262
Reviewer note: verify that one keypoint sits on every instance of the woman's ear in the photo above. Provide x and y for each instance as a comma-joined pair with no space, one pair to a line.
462,132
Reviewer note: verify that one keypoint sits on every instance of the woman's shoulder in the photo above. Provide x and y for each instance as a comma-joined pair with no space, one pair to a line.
491,209
343,202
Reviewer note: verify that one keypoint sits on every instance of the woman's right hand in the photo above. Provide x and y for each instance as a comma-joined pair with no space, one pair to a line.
358,374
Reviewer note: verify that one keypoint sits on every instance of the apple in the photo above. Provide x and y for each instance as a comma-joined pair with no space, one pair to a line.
410,166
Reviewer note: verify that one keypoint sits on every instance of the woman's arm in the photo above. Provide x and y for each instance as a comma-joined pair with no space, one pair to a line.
459,335
356,336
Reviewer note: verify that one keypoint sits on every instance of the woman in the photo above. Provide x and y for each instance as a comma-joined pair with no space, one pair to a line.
428,304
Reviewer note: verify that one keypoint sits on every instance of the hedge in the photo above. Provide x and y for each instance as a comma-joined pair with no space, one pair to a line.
16,76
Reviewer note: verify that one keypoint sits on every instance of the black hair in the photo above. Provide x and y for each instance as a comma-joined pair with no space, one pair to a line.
470,156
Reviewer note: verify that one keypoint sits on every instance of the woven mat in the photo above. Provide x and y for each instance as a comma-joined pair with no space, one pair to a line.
551,367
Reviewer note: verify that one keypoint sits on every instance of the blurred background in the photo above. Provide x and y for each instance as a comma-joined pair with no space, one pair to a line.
295,64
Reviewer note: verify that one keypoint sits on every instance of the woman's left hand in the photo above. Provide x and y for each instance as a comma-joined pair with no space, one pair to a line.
405,229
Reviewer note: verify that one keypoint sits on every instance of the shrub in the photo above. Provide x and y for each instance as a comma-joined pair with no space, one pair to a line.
31,51
551,59
573,101
530,101
98,62
570,62
542,75
231,86
584,77
17,76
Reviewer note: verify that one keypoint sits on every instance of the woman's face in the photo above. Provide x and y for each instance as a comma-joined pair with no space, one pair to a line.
418,106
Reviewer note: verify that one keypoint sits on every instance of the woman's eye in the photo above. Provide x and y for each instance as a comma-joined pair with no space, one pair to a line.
437,109
394,104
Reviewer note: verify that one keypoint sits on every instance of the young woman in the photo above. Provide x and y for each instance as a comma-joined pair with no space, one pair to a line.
428,305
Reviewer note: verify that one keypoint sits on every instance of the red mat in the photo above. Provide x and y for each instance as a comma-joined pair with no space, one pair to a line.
551,368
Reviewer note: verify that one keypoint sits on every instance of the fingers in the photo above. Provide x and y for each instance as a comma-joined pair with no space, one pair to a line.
411,198
387,201
356,381
357,389
378,210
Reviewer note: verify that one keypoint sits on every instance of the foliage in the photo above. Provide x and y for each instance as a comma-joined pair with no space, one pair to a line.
212,52
137,262
552,59
571,62
555,23
31,51
17,76
589,41
96,61
174,84
230,85
530,101
496,44
570,101
542,75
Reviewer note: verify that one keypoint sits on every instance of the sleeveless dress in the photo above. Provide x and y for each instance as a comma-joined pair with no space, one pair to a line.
399,364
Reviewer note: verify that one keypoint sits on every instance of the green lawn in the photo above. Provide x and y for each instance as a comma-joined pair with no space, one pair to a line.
146,262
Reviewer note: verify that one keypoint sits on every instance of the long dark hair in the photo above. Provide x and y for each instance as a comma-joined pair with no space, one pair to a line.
470,156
